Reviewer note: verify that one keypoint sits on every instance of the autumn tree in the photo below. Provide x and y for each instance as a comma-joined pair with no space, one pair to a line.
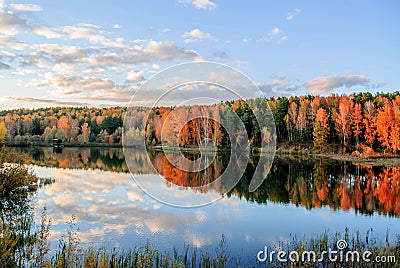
384,123
64,127
61,134
302,120
356,122
84,137
342,118
321,128
49,134
291,118
3,131
369,122
217,129
395,127
312,110
362,117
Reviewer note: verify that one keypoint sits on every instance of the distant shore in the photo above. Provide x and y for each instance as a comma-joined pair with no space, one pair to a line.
282,150
376,159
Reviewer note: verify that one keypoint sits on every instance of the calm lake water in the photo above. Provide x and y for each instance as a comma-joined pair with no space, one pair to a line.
299,197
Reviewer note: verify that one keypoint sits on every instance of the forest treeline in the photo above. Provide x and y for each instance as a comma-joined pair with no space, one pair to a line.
372,121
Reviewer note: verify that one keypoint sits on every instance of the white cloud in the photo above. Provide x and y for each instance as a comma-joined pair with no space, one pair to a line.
275,31
61,53
89,25
8,54
139,41
194,35
47,32
70,87
325,84
190,41
293,13
25,7
279,81
282,39
280,86
22,71
93,35
8,42
134,76
11,24
64,200
64,68
116,26
197,240
166,50
59,58
80,73
134,195
144,53
272,35
96,204
45,101
200,4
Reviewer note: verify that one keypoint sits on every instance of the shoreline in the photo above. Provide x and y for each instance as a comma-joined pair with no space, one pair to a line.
377,160
391,161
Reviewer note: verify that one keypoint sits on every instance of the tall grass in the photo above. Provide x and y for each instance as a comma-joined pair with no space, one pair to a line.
70,252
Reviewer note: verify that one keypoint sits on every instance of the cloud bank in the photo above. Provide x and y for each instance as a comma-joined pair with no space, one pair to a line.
325,84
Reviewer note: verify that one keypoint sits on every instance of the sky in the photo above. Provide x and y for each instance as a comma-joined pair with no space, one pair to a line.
98,53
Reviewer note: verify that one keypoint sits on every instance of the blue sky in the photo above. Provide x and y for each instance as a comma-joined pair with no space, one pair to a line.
98,52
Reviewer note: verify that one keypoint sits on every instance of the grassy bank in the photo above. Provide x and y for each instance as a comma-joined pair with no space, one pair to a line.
336,152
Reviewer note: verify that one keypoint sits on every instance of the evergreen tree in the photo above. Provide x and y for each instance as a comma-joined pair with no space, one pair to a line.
36,130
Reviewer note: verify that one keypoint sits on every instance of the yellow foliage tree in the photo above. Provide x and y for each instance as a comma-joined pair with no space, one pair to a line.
3,131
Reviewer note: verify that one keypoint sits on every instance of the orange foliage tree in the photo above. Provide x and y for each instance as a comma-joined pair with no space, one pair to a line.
343,116
356,122
369,123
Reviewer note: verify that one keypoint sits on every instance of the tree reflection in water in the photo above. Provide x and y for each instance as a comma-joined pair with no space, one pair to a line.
310,183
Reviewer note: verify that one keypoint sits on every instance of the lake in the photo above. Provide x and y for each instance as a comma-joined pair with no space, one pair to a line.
300,196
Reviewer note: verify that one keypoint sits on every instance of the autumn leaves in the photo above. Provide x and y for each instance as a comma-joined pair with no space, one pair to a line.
352,119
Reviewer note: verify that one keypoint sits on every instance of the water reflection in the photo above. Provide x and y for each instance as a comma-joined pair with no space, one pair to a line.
108,208
108,159
298,197
57,150
308,183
